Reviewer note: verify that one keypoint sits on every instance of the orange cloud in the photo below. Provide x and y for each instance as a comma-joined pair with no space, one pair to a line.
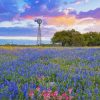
61,20
28,17
98,22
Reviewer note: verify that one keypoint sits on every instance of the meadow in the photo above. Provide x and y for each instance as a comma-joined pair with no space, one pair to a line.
56,73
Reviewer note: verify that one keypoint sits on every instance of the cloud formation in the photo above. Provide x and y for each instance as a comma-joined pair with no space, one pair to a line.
8,9
91,13
17,16
42,8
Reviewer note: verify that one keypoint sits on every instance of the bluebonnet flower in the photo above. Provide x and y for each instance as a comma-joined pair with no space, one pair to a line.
17,74
96,90
24,89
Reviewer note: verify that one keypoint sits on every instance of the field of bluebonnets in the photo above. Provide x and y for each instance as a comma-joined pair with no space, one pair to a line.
50,74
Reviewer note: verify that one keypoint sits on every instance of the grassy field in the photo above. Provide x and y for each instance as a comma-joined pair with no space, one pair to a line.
49,73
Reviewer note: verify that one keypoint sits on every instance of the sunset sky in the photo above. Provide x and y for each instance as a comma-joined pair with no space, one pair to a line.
17,16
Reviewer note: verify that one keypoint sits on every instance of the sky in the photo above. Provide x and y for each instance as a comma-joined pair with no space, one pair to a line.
17,17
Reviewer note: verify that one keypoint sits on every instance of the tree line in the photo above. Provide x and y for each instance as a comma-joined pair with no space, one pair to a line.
75,38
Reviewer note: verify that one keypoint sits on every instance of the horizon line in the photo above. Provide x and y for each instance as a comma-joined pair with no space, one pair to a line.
23,38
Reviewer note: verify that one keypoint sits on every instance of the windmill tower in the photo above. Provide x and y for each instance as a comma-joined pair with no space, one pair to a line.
39,22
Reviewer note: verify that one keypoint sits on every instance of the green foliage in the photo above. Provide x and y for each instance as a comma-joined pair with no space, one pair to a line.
75,38
92,38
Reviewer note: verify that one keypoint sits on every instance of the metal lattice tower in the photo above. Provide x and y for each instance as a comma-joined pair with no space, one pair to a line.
39,21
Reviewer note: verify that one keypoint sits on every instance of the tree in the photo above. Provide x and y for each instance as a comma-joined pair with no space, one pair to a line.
92,38
75,38
68,38
61,37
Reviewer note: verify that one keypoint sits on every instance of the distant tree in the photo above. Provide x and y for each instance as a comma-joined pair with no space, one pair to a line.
92,38
61,37
75,38
68,38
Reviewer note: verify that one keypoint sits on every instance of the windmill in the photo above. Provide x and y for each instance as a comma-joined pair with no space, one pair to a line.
39,22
